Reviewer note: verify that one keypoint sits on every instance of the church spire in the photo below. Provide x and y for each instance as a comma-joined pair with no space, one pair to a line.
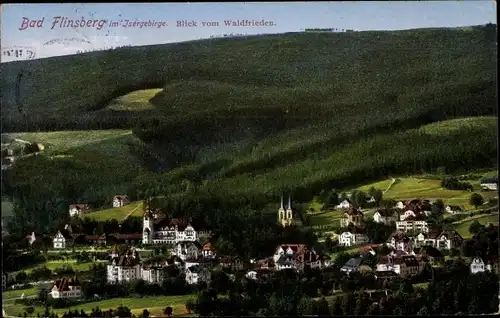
289,201
282,200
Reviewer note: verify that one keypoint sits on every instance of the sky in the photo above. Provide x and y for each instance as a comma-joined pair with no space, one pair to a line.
40,28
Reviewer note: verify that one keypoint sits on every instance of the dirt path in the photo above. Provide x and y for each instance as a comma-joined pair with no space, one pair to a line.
130,213
390,185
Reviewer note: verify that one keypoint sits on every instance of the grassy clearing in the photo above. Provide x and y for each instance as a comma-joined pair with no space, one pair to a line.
60,141
134,101
154,304
16,293
7,207
463,228
380,185
421,285
133,209
52,265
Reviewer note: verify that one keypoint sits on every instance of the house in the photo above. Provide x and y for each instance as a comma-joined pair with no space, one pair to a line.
197,274
385,275
490,184
386,216
78,209
477,265
124,268
454,209
400,242
233,262
426,238
400,205
120,200
352,216
158,229
352,265
428,254
187,250
207,251
353,238
66,287
406,265
296,256
448,240
371,200
62,239
407,214
369,249
345,204
415,224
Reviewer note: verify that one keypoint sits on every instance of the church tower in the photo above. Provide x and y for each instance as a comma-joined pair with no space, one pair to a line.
147,225
281,212
289,213
285,217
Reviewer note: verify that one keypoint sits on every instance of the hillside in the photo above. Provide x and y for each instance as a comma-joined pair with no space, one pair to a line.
246,118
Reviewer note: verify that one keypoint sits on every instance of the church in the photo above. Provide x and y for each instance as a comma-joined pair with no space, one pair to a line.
286,217
158,229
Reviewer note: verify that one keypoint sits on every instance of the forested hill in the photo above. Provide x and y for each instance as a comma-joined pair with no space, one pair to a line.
400,74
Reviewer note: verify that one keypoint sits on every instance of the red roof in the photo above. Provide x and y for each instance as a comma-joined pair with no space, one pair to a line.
64,283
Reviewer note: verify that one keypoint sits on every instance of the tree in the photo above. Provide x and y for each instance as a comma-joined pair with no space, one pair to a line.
475,227
476,200
169,311
145,313
305,306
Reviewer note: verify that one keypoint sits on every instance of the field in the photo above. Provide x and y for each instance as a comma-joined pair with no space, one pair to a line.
154,304
6,208
52,265
16,293
463,227
240,123
133,209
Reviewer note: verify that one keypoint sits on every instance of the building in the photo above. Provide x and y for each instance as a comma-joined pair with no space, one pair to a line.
490,184
400,242
415,224
454,209
120,200
158,229
285,217
352,265
477,265
296,256
187,250
124,268
66,287
353,238
386,216
78,209
62,239
345,204
197,274
406,265
207,251
352,216
442,240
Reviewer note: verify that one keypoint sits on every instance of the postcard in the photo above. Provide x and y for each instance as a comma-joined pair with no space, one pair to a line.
249,159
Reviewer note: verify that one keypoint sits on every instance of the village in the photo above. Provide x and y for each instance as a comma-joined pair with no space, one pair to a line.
414,245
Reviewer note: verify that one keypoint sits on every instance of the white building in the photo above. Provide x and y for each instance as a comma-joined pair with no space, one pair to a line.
187,250
412,224
152,274
404,266
67,287
78,209
490,184
120,200
345,204
296,256
61,239
197,274
400,242
157,229
386,216
477,266
400,205
124,268
350,239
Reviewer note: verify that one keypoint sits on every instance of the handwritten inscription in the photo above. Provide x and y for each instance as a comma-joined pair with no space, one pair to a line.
98,24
